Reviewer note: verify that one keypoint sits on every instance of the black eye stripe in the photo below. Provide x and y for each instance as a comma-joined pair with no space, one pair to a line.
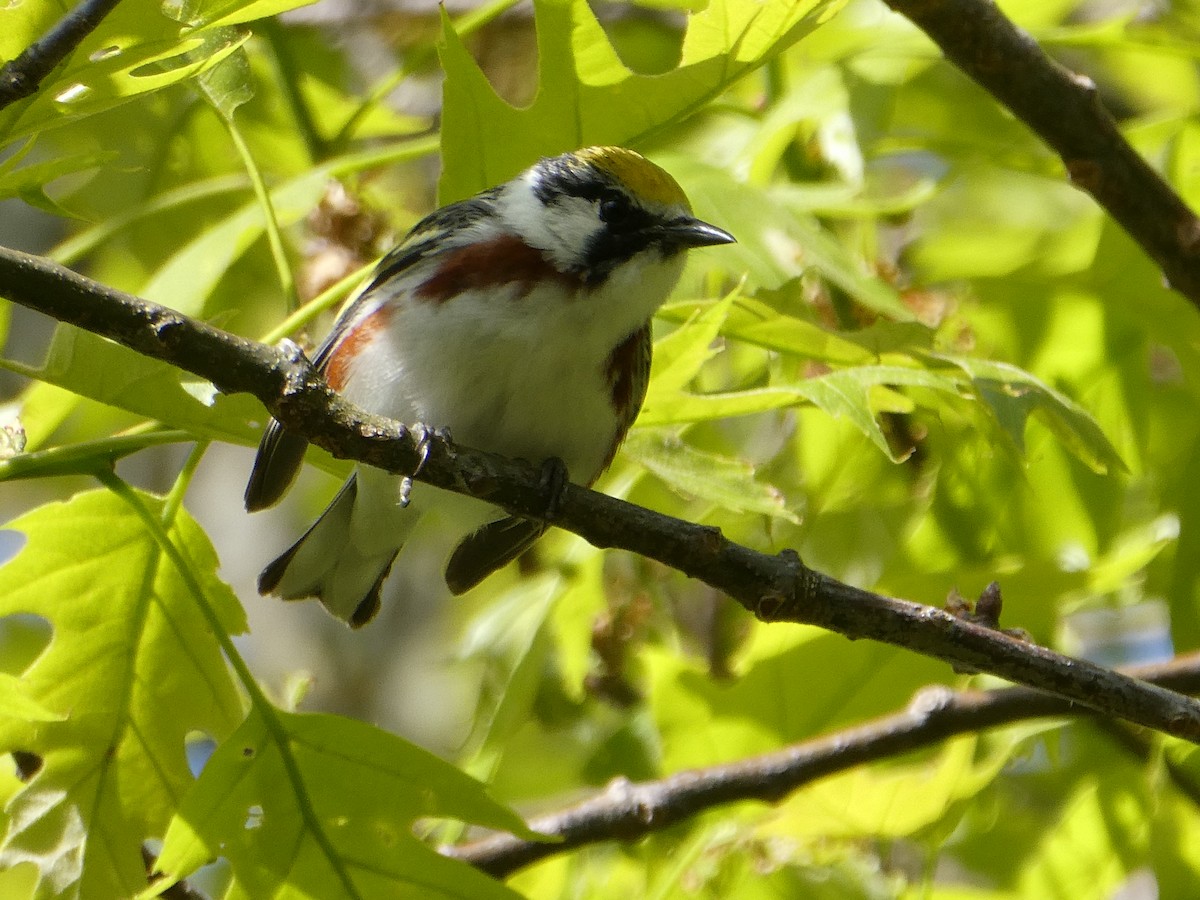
615,208
628,227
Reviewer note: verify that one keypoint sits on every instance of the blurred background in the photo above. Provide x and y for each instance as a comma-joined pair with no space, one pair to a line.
858,170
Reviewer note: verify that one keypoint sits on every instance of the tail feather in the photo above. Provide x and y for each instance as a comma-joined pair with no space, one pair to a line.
280,455
487,549
329,562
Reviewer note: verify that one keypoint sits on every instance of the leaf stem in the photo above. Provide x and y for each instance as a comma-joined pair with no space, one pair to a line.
258,699
314,307
182,482
287,280
87,457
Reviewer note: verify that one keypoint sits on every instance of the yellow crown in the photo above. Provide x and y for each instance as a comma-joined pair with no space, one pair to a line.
642,177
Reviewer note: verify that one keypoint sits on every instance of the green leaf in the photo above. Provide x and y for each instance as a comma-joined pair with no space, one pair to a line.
29,182
189,277
119,75
322,806
684,408
573,618
587,95
1098,838
777,243
221,13
898,799
727,483
16,702
1130,553
679,355
114,375
1014,395
510,639
758,323
135,50
782,693
853,393
132,669
227,85
88,241
25,23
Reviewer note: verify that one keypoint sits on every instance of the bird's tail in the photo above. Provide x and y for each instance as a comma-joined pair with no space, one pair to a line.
341,560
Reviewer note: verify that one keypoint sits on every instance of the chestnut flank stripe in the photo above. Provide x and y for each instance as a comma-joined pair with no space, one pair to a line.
627,371
501,261
622,369
337,366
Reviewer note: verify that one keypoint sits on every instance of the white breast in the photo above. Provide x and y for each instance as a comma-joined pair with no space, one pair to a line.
524,376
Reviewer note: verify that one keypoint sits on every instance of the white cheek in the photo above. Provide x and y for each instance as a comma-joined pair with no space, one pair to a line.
563,230
570,225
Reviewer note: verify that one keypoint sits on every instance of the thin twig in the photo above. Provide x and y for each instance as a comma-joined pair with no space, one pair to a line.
775,588
1065,111
22,76
625,811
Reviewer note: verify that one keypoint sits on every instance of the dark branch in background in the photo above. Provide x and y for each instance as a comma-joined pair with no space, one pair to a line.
1065,111
774,588
626,812
22,76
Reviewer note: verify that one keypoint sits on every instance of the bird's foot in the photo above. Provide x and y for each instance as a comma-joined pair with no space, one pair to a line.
425,437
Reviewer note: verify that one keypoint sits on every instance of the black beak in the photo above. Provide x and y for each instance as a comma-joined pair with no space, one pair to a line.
688,232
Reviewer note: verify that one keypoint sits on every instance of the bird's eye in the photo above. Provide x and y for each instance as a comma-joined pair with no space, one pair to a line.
614,207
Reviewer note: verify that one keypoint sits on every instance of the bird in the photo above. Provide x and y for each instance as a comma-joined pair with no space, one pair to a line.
518,320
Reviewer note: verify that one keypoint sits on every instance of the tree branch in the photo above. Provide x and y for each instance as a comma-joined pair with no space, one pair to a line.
625,811
1063,108
775,588
22,76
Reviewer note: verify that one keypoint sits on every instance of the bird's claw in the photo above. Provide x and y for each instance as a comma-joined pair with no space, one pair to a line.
404,494
425,437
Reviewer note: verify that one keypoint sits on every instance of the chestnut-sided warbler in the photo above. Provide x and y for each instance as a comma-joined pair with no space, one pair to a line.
519,320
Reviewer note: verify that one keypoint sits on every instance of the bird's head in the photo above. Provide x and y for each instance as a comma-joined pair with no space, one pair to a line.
603,209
